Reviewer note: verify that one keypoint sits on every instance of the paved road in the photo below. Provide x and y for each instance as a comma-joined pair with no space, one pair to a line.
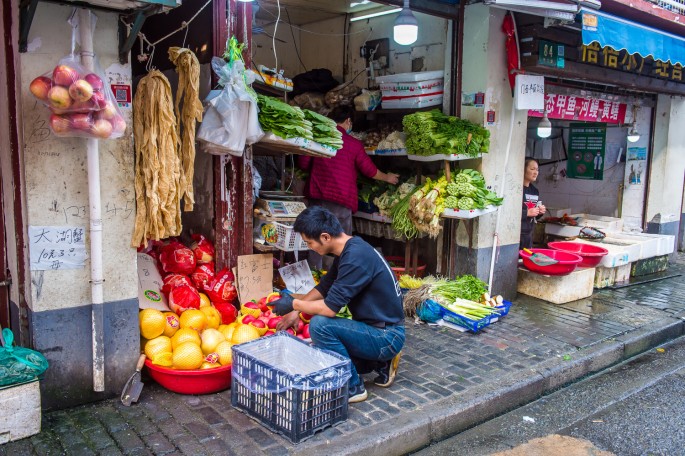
635,408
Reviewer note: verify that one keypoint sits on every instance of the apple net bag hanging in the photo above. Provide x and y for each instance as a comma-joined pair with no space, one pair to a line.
81,102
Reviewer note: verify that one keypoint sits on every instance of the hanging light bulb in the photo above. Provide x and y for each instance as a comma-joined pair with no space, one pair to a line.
633,134
545,126
245,1
406,28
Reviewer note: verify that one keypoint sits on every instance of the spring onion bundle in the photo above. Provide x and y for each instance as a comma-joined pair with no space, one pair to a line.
283,120
432,132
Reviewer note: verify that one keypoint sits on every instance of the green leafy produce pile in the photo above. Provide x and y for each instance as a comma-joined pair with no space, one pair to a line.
432,132
368,189
283,120
324,130
468,191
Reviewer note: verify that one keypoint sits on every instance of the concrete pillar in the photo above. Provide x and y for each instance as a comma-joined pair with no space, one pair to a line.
667,171
485,70
57,195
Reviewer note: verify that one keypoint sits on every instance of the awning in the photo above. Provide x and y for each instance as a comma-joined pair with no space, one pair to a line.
564,10
620,34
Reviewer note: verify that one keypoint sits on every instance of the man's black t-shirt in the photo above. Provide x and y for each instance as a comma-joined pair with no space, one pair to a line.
531,196
361,279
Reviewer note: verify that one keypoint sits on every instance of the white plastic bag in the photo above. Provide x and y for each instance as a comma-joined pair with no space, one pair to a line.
230,120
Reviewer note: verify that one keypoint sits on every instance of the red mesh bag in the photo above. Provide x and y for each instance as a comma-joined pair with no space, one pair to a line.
222,288
203,276
182,298
203,249
228,312
172,281
175,257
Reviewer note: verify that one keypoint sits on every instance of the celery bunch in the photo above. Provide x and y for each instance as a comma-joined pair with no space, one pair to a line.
432,132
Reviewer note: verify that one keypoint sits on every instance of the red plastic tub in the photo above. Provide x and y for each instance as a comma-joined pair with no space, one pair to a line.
397,266
204,381
591,254
566,265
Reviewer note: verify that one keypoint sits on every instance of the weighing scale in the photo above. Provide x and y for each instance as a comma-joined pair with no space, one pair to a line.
279,206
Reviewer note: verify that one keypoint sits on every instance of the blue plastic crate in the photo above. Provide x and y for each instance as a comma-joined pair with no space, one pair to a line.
475,325
289,386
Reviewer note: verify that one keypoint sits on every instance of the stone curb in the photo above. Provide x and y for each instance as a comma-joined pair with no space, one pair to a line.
416,430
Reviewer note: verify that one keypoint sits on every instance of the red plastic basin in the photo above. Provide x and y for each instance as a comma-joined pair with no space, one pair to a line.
591,254
204,381
567,262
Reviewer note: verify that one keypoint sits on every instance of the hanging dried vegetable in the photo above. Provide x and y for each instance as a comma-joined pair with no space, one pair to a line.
158,165
188,69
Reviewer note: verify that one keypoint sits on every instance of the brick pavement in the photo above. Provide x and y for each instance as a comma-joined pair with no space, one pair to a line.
438,364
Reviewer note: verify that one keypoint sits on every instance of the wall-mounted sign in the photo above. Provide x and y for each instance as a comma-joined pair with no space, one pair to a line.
609,57
54,248
551,54
586,145
529,92
567,107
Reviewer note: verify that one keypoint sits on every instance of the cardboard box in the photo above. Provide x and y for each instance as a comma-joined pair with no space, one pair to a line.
21,411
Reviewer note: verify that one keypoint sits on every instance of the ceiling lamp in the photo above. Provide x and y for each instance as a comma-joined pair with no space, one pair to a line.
245,1
406,29
545,126
633,135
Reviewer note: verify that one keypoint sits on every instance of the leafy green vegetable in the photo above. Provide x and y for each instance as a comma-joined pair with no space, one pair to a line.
432,132
282,119
465,287
324,130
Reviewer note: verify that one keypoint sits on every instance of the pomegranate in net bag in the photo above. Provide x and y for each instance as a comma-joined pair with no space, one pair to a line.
182,298
176,257
222,288
203,276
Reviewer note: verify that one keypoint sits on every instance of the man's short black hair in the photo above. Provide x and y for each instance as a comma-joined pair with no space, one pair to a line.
316,220
340,114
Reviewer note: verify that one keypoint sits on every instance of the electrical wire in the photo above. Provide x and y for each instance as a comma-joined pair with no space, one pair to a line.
297,51
273,37
317,33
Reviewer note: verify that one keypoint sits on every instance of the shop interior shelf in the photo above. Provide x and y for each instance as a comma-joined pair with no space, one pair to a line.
459,214
376,217
277,146
264,248
442,157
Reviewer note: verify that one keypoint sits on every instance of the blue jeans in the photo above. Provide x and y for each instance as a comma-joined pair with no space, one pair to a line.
365,345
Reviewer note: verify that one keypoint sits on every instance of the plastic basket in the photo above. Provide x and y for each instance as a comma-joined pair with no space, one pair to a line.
400,270
287,239
288,386
475,325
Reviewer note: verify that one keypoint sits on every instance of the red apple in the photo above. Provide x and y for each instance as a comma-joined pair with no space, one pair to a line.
40,87
109,111
251,305
300,326
267,314
258,324
95,81
299,336
273,297
269,333
305,317
59,124
262,304
59,97
80,90
118,125
64,75
99,99
273,322
305,332
290,331
102,129
81,121
247,319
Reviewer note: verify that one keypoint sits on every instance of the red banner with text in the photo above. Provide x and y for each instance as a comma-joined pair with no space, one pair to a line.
568,107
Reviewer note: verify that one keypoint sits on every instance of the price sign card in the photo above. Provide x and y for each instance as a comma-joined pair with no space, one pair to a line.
255,276
150,284
57,247
298,277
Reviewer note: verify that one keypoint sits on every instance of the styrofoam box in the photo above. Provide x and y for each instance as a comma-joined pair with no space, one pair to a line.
399,94
411,77
621,251
430,85
414,102
665,242
649,246
600,222
20,416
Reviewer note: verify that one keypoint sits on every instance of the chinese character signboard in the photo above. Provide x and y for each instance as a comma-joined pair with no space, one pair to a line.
586,151
568,107
608,57
551,54
57,247
529,92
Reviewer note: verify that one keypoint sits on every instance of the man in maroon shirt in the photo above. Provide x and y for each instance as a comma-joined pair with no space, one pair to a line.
332,181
